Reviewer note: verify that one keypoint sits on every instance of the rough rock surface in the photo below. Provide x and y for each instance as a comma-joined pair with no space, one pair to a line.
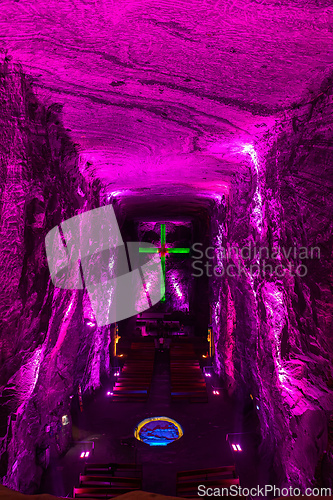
158,92
274,339
46,346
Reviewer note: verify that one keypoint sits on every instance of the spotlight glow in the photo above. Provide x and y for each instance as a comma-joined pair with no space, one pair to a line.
64,420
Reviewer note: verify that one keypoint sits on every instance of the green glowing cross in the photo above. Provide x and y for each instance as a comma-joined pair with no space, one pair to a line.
163,250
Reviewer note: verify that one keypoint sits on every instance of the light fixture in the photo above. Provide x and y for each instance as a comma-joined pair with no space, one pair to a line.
208,374
109,393
91,324
64,420
236,447
216,392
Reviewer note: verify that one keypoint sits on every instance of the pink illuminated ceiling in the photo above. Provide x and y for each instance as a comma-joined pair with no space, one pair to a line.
158,93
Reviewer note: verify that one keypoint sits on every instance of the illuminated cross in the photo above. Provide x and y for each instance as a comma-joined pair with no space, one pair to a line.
163,250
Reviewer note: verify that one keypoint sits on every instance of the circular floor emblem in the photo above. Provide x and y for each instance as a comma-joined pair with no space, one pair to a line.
158,431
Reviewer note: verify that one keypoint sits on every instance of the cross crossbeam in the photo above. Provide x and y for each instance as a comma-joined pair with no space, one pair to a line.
163,251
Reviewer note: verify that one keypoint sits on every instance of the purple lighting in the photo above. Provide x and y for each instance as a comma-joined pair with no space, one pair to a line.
230,341
200,126
176,286
257,214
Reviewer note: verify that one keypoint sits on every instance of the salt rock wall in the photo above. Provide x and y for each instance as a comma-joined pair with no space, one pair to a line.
46,347
274,331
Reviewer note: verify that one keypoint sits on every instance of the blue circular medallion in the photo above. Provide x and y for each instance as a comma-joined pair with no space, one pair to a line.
158,431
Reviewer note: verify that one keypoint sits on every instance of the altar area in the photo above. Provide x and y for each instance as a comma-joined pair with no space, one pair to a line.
159,324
